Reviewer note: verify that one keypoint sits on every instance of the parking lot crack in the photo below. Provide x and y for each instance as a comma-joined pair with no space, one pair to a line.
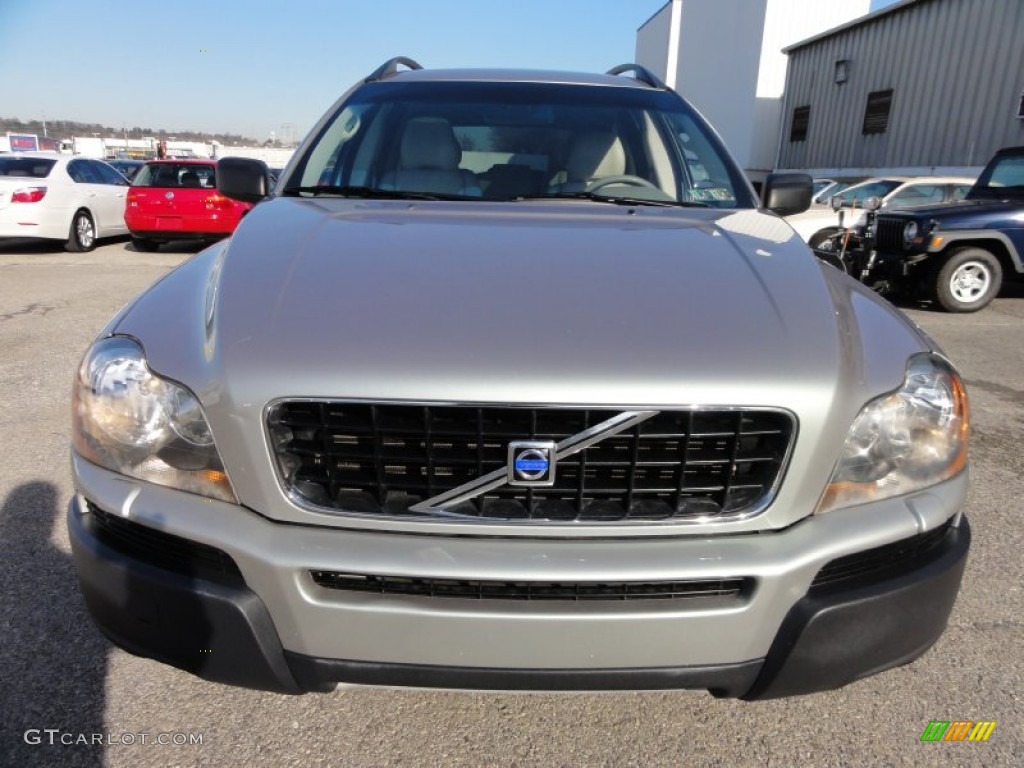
34,308
1011,394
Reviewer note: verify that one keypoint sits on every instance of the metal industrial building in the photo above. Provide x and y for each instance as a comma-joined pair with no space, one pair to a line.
921,87
725,57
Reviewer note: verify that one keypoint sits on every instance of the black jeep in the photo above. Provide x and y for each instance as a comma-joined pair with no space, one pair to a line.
957,253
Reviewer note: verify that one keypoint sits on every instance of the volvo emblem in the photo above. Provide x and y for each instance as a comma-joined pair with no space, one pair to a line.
532,462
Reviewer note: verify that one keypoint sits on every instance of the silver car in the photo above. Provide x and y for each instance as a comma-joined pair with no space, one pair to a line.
512,383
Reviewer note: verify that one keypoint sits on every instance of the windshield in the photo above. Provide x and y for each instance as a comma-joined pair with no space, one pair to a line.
31,167
515,141
1003,178
857,194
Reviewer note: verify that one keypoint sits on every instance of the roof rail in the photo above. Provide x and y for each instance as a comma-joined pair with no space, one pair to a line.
390,67
643,74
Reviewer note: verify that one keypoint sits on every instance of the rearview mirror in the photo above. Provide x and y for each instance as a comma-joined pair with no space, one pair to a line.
835,203
787,193
243,179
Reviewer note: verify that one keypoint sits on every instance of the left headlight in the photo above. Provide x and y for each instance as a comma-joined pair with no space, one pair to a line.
129,420
904,441
910,232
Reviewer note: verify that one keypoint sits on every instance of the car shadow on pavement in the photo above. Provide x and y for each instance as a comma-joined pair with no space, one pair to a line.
172,246
54,662
27,245
1010,289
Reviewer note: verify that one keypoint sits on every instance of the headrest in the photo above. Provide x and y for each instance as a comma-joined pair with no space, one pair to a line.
594,155
429,143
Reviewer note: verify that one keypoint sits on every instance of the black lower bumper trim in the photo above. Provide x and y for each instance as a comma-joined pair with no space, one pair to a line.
220,632
723,680
831,638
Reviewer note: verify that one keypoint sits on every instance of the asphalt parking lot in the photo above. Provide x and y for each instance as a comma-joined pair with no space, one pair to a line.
65,682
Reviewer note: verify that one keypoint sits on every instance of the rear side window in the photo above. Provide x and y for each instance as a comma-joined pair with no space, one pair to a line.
82,172
177,176
107,173
960,191
917,195
30,167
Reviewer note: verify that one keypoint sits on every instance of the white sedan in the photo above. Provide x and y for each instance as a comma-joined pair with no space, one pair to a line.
61,197
821,222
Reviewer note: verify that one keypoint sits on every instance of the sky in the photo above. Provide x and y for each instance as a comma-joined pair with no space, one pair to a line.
261,68
258,67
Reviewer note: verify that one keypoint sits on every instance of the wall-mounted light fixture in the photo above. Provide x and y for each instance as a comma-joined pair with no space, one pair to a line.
842,71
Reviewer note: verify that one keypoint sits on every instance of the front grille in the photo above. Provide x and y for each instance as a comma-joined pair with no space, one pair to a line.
889,233
162,550
384,459
535,590
882,562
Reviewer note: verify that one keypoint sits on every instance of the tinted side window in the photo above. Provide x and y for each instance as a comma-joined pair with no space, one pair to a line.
107,174
76,170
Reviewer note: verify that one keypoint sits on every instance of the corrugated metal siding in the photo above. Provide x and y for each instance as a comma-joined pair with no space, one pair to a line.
956,68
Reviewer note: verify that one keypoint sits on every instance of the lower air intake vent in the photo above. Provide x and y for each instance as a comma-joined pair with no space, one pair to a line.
162,550
535,590
880,562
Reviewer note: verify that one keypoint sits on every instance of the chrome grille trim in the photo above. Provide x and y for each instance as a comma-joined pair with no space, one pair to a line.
703,456
567,447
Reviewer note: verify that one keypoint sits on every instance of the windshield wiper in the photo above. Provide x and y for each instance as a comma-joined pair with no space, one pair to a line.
614,199
368,193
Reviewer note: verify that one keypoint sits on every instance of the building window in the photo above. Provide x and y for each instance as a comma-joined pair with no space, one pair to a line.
876,114
842,72
801,118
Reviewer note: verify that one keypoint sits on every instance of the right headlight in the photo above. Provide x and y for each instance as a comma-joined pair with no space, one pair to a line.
129,420
910,232
904,441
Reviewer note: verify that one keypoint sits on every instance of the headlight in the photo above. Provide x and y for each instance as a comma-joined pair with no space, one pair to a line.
904,441
910,232
129,420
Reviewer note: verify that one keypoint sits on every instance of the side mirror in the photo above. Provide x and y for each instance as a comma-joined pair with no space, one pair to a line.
872,204
835,203
243,179
787,193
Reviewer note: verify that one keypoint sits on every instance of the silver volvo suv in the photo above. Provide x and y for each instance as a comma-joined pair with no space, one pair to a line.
512,382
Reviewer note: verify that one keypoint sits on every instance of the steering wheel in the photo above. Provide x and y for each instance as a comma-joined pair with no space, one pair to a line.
625,179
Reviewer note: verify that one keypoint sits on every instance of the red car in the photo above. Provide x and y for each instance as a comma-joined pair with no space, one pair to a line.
178,200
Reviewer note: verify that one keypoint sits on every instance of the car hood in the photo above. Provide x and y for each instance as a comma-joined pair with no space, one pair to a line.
555,303
573,303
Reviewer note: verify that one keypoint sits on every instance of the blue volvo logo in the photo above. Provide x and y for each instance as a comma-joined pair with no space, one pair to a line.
531,462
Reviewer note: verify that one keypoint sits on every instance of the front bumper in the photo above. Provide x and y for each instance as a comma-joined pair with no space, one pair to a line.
263,622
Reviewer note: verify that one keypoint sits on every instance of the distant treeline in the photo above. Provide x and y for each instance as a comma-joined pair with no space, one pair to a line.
66,129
